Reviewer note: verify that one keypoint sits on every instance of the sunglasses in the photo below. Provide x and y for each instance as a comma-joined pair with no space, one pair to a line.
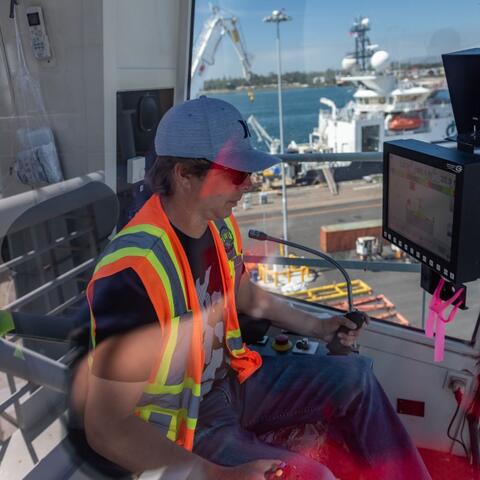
236,176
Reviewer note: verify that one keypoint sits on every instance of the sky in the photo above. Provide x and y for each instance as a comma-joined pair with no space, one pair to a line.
318,37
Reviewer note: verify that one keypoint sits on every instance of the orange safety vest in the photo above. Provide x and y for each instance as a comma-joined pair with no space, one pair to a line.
150,246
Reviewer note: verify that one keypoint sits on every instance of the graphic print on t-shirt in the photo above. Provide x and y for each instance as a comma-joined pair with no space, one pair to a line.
205,266
213,331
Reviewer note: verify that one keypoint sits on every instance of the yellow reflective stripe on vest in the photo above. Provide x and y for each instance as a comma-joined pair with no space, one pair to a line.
185,400
161,399
164,368
148,255
238,352
234,334
235,342
159,233
176,415
174,389
146,412
93,339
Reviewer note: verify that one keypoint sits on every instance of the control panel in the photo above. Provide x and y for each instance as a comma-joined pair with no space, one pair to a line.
288,343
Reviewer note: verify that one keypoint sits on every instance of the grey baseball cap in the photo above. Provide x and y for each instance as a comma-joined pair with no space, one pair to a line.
213,129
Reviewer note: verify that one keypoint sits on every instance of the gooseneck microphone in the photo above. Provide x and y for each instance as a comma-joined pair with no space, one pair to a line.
257,235
335,347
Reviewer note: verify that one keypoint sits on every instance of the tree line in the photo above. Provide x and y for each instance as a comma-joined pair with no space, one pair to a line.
304,78
311,79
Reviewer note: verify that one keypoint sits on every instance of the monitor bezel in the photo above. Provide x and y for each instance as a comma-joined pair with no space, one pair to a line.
447,268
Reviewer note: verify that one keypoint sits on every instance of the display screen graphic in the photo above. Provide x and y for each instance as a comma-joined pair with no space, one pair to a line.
420,204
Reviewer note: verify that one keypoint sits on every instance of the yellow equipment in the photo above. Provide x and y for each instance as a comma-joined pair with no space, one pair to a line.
331,291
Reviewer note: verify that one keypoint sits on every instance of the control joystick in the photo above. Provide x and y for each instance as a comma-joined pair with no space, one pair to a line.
335,347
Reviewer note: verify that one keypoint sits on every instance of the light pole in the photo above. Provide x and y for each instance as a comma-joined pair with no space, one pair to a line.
276,17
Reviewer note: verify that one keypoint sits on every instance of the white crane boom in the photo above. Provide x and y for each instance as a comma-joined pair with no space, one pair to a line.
239,47
214,28
273,144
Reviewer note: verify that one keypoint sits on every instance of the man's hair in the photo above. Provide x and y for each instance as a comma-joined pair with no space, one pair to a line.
159,177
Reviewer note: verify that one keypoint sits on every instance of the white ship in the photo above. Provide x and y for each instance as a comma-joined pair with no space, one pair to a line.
384,107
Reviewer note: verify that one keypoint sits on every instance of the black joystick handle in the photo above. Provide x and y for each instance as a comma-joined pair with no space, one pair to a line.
335,347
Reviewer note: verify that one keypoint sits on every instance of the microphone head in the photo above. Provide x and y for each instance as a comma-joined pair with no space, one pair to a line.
257,235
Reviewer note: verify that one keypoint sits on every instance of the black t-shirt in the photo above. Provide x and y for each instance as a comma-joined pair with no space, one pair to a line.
120,303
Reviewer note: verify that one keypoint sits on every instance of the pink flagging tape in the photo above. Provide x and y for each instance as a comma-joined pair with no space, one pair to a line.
436,320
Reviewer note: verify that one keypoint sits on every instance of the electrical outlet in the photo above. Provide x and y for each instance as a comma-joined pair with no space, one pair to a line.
452,376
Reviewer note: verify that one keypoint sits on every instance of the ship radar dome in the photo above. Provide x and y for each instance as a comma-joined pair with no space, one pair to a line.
379,60
365,22
348,63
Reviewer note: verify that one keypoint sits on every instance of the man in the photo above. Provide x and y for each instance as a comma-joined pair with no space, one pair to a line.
171,382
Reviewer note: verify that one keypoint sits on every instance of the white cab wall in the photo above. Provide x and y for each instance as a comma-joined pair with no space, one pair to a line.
99,48
70,83
145,47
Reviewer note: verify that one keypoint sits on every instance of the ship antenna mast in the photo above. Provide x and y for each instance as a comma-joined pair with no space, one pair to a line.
363,50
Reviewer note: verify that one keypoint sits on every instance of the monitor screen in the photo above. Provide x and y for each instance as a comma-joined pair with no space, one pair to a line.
421,204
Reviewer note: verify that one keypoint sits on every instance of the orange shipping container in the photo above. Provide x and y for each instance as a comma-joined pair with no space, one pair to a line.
342,236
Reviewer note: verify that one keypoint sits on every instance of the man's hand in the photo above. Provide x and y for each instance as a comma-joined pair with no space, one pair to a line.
258,303
256,470
329,327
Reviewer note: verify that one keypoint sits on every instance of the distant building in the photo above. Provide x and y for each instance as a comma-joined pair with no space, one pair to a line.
320,80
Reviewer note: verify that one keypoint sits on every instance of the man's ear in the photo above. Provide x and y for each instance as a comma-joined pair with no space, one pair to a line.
181,177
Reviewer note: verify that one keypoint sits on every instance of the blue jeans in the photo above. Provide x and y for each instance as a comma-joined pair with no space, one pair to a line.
341,392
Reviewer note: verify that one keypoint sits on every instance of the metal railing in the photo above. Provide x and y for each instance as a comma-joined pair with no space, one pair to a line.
331,157
372,266
52,237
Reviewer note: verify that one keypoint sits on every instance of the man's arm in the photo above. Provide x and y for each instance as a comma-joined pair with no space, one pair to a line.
107,395
258,303
116,381
128,344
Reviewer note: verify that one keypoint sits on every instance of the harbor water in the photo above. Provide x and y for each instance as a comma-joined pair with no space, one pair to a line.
300,108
